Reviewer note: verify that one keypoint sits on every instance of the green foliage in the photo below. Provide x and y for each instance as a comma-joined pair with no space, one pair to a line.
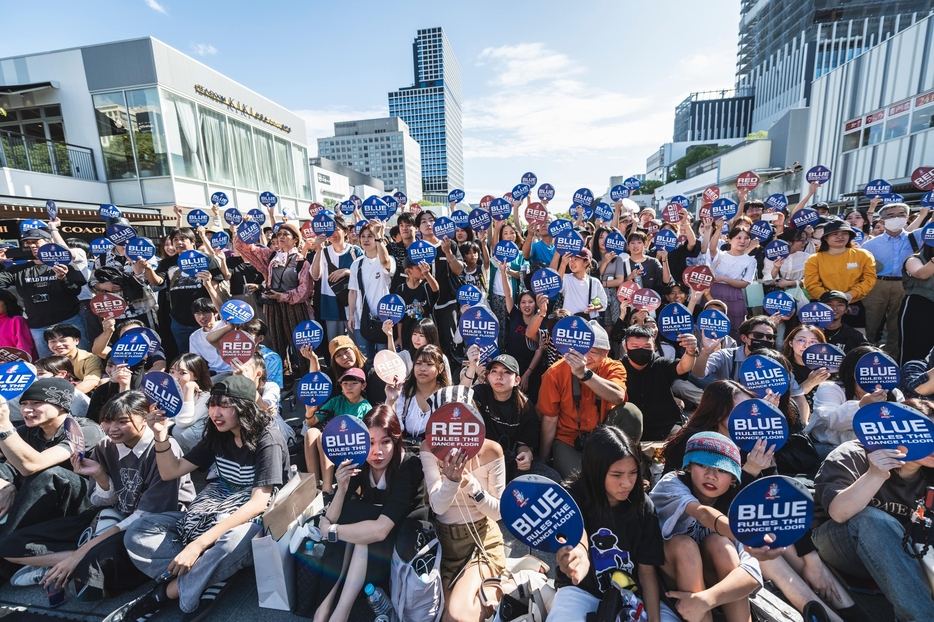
565,215
649,186
694,156
760,135
329,203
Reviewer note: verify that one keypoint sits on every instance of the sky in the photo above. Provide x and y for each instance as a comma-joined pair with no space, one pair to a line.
572,91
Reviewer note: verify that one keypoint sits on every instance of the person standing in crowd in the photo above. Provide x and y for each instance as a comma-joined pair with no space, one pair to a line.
115,273
331,267
405,223
14,330
645,271
447,262
522,342
502,292
370,276
733,271
583,294
611,269
539,246
915,336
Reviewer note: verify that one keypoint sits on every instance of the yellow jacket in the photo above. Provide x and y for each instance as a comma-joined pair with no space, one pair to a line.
851,272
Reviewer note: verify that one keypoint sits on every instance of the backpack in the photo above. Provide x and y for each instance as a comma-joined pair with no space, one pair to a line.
417,553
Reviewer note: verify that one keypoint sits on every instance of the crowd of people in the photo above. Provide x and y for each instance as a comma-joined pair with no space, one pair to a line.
635,428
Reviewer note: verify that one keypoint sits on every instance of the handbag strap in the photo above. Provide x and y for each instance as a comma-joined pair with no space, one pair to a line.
362,287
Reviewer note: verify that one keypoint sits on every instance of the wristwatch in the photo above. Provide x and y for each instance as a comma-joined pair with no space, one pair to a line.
6,435
588,374
332,533
478,497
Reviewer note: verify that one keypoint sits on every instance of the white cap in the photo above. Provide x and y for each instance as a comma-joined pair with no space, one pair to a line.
600,339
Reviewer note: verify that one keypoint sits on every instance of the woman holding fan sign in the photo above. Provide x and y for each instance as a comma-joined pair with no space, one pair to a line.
733,271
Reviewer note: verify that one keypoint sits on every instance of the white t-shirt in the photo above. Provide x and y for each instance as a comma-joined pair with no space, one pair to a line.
336,260
376,280
578,293
198,344
738,267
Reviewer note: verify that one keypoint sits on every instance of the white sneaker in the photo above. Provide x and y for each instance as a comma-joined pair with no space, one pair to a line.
28,575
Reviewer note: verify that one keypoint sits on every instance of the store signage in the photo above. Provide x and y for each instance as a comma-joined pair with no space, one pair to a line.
233,104
875,117
899,108
925,99
849,126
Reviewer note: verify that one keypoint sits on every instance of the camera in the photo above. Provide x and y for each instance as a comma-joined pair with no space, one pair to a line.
39,298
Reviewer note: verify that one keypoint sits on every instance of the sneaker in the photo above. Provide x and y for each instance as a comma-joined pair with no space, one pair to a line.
29,575
142,608
207,602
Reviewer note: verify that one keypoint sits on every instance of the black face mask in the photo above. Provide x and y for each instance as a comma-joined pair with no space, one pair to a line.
755,344
640,356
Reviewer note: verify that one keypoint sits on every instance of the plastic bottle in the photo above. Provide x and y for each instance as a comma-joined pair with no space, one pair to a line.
379,602
293,472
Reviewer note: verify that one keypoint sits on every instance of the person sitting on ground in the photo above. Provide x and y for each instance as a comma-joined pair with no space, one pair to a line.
193,376
14,331
63,339
205,312
111,333
257,329
838,333
54,367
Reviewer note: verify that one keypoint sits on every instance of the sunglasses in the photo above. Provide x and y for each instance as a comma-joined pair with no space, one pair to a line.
760,335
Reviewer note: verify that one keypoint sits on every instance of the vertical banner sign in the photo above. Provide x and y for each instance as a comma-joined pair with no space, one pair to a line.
455,426
541,514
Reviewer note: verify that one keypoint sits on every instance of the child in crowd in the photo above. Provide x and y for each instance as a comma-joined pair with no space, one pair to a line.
205,313
193,376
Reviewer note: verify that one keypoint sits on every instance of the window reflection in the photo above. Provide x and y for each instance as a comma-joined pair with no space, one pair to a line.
112,126
241,143
216,154
148,132
181,128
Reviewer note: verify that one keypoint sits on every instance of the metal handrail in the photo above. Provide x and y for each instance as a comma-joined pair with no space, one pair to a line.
41,155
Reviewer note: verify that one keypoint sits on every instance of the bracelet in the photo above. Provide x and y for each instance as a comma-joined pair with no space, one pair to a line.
169,448
716,525
469,377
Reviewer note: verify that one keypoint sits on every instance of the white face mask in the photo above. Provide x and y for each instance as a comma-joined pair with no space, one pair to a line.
895,224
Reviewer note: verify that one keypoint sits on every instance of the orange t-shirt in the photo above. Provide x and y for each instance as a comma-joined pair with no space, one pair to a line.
556,398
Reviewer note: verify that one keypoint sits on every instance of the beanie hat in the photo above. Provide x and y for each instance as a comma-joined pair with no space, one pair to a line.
713,450
56,391
601,339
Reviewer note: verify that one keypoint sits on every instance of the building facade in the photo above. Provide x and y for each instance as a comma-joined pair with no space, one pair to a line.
332,182
381,148
714,115
432,109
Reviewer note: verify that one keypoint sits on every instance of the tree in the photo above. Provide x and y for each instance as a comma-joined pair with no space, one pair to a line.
329,203
649,186
760,135
695,155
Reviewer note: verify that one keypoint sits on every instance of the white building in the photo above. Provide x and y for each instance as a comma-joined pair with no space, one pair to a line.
381,148
333,182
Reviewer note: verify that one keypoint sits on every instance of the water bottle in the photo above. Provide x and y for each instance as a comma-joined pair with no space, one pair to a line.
293,472
379,602
638,279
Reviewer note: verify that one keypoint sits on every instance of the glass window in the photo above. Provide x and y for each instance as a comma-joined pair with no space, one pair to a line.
300,164
181,128
148,132
922,119
265,161
112,124
216,155
241,145
873,134
284,170
896,127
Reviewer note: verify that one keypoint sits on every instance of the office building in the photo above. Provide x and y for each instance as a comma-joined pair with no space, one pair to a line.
332,182
714,115
432,109
381,148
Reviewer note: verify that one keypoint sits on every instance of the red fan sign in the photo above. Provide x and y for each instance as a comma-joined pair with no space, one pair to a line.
9,354
308,231
923,178
314,208
670,213
698,278
711,194
704,211
455,426
626,291
108,306
747,181
236,345
536,213
646,299
486,200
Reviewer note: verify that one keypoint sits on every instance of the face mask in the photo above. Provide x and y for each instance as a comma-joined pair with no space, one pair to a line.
755,344
641,356
895,224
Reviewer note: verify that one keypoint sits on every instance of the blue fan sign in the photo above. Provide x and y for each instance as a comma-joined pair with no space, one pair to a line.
666,240
236,312
140,248
618,193
232,216
198,218
820,174
54,255
420,251
569,242
804,218
488,352
756,420
541,514
713,324
308,333
892,198
101,246
579,210
500,209
520,191
817,314
506,251
322,224
29,225
109,211
479,326
193,262
444,228
774,511
219,199
572,333
375,207
557,227
460,218
456,196
155,344
400,197
546,192
723,208
469,295
673,320
391,203
220,240
584,197
314,389
761,230
130,349
888,425
51,209
777,249
120,234
683,201
859,237
615,242
877,188
760,373
346,438
529,179
778,302
390,307
258,215
164,391
632,184
604,212
874,370
268,199
480,220
249,232
546,281
927,200
355,200
823,355
927,235
776,202
15,378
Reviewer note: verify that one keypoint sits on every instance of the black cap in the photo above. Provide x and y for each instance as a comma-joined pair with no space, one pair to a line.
833,294
235,386
39,233
835,224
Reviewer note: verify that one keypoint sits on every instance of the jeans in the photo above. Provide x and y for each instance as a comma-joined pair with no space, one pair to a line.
181,334
368,348
43,348
572,604
870,544
153,542
52,493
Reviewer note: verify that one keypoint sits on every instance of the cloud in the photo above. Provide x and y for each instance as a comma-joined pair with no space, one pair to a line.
203,49
155,6
319,122
525,63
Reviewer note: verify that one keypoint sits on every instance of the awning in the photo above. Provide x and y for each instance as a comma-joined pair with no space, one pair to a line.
19,89
14,207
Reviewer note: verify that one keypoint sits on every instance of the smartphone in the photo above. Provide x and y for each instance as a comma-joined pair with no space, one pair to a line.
769,217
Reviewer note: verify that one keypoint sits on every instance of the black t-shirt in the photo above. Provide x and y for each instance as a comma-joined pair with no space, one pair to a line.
404,492
446,295
845,336
242,273
650,390
397,252
47,299
240,468
35,438
504,424
184,289
419,304
632,537
516,343
678,259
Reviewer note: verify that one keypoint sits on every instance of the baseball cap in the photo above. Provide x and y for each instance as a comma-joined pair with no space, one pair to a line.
39,233
833,294
341,341
235,386
507,361
585,254
354,373
713,450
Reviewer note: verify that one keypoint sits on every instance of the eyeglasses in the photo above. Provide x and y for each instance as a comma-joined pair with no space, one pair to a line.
802,341
760,335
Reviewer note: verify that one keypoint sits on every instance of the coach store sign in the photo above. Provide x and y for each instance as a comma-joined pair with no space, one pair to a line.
240,107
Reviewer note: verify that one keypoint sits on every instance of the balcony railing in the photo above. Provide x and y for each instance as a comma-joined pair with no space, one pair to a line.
40,155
